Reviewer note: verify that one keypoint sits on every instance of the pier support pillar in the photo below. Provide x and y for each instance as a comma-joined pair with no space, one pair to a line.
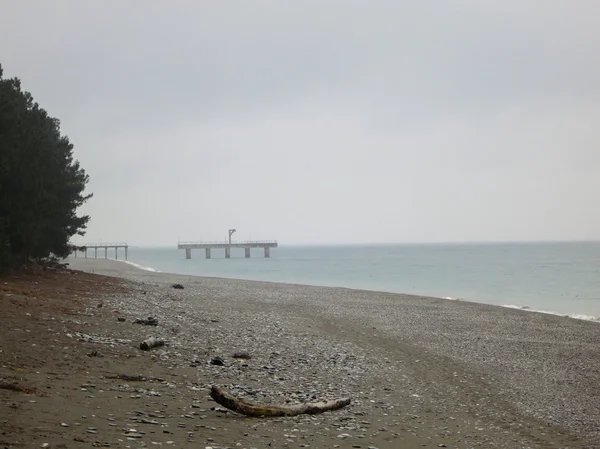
116,253
247,251
105,252
95,253
227,253
207,253
86,253
188,253
125,253
267,252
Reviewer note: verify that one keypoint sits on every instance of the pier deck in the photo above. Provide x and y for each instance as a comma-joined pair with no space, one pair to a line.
208,246
105,246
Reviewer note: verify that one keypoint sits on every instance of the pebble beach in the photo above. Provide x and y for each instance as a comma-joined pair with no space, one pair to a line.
420,372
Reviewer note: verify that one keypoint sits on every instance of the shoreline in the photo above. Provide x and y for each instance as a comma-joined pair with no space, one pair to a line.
524,308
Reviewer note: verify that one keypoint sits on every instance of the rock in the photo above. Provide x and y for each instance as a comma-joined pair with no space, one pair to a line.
217,361
178,286
121,319
150,321
150,343
241,355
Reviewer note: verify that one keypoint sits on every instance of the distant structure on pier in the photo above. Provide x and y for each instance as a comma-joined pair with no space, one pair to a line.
105,246
266,245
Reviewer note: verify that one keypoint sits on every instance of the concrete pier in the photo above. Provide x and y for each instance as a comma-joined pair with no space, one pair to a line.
227,246
106,246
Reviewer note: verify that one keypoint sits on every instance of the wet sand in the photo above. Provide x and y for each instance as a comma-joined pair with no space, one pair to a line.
421,372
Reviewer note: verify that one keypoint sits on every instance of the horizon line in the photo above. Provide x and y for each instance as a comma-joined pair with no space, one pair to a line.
422,243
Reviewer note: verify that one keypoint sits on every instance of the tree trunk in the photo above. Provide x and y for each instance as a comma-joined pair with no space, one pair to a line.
246,408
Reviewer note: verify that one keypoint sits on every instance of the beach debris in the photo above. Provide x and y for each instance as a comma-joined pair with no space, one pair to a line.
217,361
98,339
241,355
94,353
150,321
16,387
150,343
178,286
121,319
127,377
229,401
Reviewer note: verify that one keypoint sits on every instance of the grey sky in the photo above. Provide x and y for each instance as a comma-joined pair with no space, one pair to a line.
322,121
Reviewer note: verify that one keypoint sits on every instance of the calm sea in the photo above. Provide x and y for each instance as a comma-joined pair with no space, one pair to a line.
561,278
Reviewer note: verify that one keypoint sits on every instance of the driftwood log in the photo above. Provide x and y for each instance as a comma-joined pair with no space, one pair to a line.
150,343
229,401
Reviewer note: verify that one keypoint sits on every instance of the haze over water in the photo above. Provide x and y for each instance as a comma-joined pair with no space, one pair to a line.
562,278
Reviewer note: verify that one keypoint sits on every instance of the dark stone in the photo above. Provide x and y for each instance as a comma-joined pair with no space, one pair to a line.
151,321
241,355
217,361
177,286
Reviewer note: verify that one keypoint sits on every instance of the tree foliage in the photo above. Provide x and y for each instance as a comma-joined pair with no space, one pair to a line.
41,185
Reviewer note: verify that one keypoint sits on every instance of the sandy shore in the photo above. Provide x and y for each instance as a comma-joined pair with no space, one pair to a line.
421,372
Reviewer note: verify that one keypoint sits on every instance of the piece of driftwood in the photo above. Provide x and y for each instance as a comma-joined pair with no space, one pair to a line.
127,378
150,343
16,387
229,401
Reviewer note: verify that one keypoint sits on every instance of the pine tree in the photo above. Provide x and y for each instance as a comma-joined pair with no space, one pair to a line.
41,185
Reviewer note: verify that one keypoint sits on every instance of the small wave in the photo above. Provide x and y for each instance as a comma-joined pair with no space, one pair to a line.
514,306
141,267
576,316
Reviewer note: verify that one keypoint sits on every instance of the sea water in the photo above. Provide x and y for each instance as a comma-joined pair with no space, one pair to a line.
562,278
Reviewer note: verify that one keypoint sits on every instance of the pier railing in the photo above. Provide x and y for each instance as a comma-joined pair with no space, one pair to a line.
233,242
102,245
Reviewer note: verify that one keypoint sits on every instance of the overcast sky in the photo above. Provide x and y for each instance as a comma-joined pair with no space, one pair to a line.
322,121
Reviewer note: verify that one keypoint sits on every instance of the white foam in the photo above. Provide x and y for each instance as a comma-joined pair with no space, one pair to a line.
141,267
576,316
